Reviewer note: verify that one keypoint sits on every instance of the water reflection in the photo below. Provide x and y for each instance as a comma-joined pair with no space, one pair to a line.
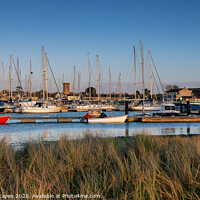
169,131
127,129
188,130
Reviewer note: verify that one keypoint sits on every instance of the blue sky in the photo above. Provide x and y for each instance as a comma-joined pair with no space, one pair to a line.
68,29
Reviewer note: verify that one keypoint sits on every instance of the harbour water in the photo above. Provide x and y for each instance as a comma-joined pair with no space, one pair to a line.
16,133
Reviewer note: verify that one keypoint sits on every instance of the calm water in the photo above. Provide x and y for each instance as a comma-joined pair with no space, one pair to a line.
17,133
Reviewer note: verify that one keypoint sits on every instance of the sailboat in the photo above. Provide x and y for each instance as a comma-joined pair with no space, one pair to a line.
146,107
142,106
101,106
88,105
42,107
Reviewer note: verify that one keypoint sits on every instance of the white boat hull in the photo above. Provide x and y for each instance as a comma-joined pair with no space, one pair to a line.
85,107
145,108
92,107
37,110
104,107
120,119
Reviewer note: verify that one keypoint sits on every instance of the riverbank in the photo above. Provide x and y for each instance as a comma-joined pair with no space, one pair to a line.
141,167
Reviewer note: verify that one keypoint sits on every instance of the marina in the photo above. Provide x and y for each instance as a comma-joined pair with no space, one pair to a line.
100,100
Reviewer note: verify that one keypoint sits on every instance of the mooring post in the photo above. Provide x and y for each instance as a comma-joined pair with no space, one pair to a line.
181,107
188,107
126,107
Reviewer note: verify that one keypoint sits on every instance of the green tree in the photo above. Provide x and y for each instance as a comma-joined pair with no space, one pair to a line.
137,93
93,91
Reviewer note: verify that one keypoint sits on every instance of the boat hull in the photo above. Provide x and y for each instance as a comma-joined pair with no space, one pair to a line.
39,110
145,108
4,119
167,114
120,119
93,107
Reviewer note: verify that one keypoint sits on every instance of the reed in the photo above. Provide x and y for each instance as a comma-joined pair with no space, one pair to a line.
140,167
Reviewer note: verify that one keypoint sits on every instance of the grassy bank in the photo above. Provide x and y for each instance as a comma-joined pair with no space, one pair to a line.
142,167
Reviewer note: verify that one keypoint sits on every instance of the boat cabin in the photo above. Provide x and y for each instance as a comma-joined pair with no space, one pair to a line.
168,107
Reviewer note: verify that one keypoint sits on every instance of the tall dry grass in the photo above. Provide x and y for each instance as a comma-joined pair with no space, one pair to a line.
141,167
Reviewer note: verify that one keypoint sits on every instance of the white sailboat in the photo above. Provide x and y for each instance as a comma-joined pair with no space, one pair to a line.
42,108
144,106
89,106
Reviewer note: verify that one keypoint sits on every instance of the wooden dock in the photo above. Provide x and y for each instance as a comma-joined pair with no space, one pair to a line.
44,119
58,119
134,119
184,119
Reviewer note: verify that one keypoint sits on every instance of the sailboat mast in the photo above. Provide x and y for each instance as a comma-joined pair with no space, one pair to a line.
98,88
119,86
98,76
30,80
18,75
135,69
109,83
59,84
3,80
79,81
46,77
89,78
25,83
62,85
150,73
74,84
141,49
43,72
11,96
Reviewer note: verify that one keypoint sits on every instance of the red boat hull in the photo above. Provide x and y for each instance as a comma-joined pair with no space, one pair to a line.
4,119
